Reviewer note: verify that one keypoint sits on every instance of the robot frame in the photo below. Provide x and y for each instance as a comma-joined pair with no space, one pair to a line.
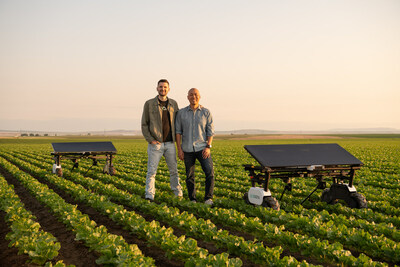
319,161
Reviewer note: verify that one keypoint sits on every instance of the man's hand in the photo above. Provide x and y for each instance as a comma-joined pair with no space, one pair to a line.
155,142
206,153
181,154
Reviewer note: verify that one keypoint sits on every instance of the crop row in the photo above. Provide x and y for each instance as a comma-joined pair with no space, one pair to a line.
329,226
382,220
234,190
26,233
269,230
233,218
333,227
113,249
364,215
196,227
181,248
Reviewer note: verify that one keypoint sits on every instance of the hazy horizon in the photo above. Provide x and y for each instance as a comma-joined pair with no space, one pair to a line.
274,65
378,130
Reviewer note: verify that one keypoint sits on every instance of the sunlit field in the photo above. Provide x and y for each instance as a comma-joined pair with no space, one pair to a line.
88,218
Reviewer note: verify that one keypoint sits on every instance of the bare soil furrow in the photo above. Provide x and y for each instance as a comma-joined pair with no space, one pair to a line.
9,256
71,251
156,253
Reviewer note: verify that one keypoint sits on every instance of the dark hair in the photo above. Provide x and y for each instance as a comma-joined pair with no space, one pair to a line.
162,81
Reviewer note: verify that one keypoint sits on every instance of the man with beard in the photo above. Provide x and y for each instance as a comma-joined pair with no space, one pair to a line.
158,128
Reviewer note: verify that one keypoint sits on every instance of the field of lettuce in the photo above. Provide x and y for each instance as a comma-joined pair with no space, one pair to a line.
97,219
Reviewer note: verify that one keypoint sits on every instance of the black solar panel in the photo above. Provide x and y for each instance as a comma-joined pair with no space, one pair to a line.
84,147
296,155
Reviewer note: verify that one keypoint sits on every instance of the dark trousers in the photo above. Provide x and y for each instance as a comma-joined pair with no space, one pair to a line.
208,168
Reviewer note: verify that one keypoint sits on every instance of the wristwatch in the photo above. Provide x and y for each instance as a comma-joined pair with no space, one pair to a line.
208,146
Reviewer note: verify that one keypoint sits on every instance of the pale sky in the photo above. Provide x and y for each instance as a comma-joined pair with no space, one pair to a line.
273,65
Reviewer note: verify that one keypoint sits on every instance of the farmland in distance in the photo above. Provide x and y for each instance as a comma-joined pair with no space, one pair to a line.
90,218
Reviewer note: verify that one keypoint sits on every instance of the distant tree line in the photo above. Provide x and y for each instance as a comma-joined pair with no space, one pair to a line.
32,134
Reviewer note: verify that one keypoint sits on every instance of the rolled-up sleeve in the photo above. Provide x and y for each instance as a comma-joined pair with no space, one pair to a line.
178,122
210,125
195,127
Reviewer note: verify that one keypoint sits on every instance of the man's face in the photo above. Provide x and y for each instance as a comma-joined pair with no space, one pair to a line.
163,89
194,97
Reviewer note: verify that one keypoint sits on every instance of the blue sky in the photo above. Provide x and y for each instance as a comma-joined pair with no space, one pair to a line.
273,65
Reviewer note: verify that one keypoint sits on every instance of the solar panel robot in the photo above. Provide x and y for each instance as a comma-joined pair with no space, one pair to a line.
84,150
319,161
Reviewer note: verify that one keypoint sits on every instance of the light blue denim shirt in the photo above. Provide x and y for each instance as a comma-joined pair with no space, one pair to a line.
195,127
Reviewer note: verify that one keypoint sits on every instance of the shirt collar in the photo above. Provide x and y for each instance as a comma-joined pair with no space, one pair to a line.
158,100
198,108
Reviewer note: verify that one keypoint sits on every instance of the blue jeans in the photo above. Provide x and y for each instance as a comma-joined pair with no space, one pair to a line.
208,168
155,152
